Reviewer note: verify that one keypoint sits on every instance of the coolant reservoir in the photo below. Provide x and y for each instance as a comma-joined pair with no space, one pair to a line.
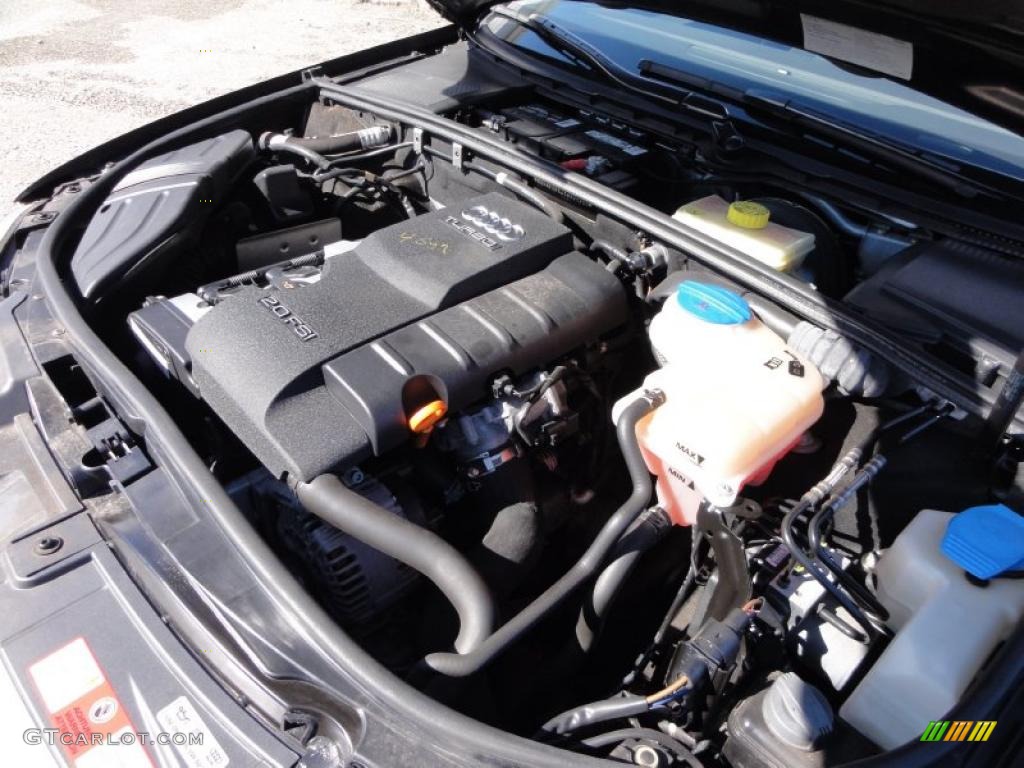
946,627
736,400
747,227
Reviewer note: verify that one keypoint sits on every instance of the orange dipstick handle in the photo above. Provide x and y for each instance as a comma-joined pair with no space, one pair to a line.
426,416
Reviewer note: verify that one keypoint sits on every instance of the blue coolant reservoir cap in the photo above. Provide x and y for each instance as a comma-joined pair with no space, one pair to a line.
713,304
986,541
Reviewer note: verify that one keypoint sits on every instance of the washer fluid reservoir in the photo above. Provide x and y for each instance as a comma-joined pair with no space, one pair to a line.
737,399
946,625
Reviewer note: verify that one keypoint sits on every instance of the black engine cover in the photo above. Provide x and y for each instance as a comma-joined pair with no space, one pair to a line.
314,377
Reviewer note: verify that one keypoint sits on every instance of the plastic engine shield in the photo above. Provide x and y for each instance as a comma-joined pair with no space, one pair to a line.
313,378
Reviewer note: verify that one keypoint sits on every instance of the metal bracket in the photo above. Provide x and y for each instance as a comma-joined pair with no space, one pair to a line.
36,220
301,725
732,587
311,74
417,140
457,155
123,459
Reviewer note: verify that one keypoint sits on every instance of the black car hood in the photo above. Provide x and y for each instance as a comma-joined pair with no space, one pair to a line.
968,53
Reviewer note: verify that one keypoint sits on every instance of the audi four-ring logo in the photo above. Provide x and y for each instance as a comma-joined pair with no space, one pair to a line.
493,223
488,228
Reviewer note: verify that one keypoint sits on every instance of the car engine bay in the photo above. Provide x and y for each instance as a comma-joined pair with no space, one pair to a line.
557,472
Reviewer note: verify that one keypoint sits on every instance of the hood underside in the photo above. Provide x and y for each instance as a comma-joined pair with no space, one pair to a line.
968,54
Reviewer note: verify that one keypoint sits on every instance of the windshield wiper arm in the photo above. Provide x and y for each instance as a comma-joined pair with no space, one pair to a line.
896,155
574,47
709,98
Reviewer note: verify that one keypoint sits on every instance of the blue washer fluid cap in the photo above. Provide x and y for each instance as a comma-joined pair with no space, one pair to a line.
986,541
713,304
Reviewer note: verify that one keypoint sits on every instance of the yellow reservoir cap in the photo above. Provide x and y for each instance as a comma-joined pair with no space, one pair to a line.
748,214
426,416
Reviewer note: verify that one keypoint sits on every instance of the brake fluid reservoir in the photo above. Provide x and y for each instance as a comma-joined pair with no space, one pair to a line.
747,227
736,400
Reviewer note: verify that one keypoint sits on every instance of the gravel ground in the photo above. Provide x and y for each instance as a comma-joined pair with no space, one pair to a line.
75,73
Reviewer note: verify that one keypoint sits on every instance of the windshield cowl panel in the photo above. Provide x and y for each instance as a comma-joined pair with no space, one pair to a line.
873,104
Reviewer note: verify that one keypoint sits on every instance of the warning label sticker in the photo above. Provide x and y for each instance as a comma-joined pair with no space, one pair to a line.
94,728
615,141
66,675
180,717
881,53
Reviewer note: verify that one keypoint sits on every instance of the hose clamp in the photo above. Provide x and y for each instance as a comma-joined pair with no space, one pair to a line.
655,397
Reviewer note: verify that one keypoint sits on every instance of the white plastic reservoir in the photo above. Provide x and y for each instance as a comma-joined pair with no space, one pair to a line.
946,627
746,226
736,399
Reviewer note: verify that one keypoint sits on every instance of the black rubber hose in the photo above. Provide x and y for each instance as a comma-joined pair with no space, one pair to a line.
815,535
683,592
818,493
639,539
816,546
521,189
813,567
423,550
840,624
771,314
328,144
365,138
456,665
279,142
610,250
374,140
616,708
340,166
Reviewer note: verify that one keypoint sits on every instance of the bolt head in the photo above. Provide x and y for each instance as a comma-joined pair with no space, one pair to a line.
48,545
646,756
353,476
